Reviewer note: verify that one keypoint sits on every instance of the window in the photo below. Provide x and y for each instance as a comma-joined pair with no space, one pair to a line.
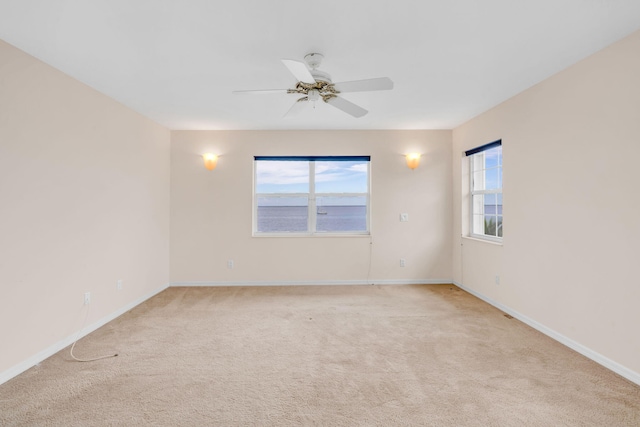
486,190
311,195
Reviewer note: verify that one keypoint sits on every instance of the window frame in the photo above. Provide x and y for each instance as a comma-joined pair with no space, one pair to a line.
471,154
312,197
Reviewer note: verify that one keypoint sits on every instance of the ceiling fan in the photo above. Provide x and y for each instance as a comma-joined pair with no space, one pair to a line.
315,84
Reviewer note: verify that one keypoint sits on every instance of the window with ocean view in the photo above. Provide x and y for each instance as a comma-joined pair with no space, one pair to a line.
486,190
311,195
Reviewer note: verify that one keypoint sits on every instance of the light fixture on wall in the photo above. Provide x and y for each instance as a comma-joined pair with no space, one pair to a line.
413,160
210,161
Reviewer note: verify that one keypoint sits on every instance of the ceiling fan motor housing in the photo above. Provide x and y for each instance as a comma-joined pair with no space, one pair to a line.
321,76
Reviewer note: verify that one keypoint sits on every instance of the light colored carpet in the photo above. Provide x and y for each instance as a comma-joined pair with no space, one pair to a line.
329,355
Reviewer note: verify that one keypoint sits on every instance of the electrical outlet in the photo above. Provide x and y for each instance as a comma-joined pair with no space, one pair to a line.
87,298
497,279
403,262
119,284
404,217
230,263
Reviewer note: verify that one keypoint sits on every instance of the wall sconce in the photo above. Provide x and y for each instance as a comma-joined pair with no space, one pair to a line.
413,160
210,161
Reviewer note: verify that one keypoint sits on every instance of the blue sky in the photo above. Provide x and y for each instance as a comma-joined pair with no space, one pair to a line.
293,177
493,163
493,168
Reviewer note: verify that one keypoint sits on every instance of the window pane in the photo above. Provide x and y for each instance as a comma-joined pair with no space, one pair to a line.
282,176
337,214
500,226
282,214
341,177
491,160
499,203
490,204
490,224
493,157
492,177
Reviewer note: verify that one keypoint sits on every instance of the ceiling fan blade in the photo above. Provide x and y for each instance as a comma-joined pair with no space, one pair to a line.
381,83
299,71
347,106
297,106
260,91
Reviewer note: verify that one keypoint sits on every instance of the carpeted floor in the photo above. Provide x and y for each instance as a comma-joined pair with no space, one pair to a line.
328,355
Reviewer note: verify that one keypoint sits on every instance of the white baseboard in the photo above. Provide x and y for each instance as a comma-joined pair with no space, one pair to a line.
585,351
313,283
53,349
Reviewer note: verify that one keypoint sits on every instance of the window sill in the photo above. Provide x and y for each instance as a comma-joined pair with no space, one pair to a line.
313,235
478,239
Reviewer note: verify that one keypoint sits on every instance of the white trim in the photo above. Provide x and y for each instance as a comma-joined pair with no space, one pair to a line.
585,351
315,234
53,349
482,192
314,283
311,196
483,240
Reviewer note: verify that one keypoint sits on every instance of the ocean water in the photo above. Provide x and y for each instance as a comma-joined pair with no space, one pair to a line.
493,209
294,219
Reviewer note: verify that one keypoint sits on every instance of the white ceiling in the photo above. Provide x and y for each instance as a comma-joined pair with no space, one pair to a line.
178,61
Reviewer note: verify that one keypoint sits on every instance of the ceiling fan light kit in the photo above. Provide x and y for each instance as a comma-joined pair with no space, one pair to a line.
315,84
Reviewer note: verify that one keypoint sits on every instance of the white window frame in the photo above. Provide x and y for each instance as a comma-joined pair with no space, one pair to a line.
475,159
312,197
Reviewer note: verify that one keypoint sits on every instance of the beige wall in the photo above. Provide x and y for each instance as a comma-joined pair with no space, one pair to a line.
211,211
572,224
84,201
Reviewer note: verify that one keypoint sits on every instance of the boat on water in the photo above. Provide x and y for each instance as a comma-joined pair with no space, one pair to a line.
321,211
